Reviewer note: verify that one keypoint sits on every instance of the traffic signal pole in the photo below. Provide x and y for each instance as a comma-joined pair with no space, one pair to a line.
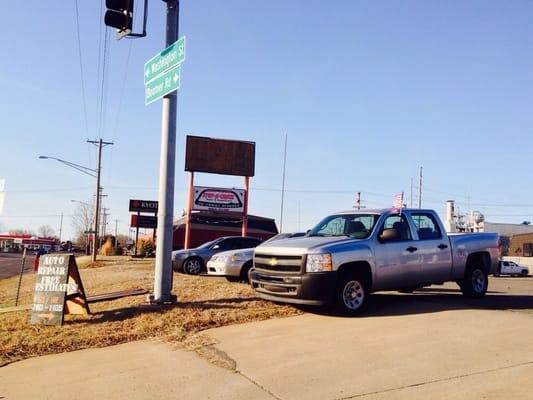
163,262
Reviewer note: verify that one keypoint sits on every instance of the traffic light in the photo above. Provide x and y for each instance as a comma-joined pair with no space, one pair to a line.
119,15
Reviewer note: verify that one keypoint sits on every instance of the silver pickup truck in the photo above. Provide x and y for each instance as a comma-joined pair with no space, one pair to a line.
351,254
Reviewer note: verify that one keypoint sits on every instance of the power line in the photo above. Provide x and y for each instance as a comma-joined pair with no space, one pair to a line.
119,111
101,118
81,71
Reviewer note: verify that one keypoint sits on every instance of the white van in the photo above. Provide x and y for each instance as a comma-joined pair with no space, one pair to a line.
511,268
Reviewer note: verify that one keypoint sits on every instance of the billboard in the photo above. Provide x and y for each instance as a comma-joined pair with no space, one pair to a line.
220,156
218,199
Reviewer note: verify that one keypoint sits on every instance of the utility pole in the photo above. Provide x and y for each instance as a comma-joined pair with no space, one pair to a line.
100,144
60,226
358,201
116,230
105,214
283,186
411,193
420,190
163,261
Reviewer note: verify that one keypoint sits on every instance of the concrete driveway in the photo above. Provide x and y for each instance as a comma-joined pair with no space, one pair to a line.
432,344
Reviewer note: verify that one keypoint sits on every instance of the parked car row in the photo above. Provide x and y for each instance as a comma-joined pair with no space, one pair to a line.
229,256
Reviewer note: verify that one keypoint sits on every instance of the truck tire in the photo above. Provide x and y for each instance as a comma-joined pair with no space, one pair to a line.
475,283
352,293
193,266
524,273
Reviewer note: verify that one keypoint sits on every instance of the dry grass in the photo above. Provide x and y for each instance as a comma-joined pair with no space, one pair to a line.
202,303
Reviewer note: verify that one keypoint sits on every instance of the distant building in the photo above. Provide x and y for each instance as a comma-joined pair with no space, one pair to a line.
521,245
15,243
207,226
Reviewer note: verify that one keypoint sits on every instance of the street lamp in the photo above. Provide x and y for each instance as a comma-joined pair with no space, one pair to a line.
81,168
95,173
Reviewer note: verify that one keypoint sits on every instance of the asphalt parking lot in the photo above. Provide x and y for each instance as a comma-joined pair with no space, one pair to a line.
430,344
10,263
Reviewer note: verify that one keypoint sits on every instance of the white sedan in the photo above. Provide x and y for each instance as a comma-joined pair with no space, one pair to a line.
233,264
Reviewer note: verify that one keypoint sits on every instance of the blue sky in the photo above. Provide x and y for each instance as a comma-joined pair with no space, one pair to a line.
367,91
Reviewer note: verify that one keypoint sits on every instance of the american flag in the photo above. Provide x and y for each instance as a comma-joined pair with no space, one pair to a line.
398,201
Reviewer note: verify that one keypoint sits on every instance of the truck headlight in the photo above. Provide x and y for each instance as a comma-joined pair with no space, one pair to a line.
318,263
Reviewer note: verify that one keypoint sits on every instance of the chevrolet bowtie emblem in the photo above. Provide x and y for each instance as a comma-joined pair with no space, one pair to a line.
273,262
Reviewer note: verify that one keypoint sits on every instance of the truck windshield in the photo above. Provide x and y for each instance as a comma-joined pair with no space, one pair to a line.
357,226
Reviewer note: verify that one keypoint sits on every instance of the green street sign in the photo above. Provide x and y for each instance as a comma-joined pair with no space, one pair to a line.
89,232
169,58
162,85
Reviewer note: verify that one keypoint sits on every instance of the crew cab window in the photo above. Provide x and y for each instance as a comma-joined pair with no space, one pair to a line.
398,222
426,226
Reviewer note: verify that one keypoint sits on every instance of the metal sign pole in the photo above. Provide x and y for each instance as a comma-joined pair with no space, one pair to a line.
245,213
189,211
20,275
137,232
163,262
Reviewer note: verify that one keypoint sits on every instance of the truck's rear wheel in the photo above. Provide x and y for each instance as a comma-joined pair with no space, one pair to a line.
352,294
475,283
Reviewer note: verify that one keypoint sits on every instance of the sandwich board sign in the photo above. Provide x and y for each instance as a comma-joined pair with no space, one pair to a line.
58,290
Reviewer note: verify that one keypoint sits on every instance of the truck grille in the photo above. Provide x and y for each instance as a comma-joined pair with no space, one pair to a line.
269,262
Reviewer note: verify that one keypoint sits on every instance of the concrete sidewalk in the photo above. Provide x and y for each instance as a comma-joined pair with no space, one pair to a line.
132,371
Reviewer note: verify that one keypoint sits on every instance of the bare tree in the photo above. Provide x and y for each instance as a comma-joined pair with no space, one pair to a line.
83,220
46,231
21,231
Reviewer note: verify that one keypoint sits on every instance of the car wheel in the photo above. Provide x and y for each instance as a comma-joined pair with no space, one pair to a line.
352,294
524,273
192,266
232,278
475,283
244,272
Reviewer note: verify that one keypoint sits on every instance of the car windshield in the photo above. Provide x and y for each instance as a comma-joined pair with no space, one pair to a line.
357,226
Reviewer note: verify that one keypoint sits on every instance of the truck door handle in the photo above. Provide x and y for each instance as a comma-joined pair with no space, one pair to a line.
411,249
442,246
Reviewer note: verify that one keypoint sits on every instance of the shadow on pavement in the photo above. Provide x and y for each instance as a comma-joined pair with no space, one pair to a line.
429,300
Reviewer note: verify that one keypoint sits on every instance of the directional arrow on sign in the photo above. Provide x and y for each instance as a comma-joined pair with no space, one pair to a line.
162,85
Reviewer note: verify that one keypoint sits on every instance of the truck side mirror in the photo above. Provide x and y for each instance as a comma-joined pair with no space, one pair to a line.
388,235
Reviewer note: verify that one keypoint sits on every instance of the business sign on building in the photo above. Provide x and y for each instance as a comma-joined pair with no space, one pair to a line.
218,199
144,206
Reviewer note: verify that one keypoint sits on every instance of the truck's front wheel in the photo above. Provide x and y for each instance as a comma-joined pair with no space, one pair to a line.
475,283
352,294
